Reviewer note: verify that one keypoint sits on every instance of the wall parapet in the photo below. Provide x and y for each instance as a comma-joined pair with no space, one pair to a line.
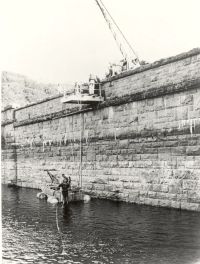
135,96
156,64
40,101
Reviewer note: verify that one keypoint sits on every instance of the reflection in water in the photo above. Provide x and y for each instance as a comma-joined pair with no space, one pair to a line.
67,214
35,231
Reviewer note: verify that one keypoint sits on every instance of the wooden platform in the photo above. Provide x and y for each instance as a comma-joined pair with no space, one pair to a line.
73,195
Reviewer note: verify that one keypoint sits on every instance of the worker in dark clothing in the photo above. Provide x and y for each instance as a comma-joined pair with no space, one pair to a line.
124,65
97,86
110,74
98,79
65,185
110,71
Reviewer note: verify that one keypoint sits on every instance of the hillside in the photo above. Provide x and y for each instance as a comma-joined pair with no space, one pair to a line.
18,90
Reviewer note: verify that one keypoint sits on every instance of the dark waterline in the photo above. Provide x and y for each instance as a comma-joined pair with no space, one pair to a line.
95,232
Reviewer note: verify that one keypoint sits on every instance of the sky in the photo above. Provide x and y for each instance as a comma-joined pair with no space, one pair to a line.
63,41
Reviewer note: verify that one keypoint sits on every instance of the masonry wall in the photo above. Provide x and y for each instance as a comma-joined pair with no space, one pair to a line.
49,106
142,145
165,72
8,166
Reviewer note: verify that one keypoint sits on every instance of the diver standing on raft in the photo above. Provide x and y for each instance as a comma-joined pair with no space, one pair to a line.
65,185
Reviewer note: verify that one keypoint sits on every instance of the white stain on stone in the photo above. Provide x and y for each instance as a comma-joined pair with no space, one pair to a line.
110,113
65,138
115,134
44,144
190,122
191,127
86,136
31,143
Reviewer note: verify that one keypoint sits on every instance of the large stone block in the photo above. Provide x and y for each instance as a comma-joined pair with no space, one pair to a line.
190,206
164,203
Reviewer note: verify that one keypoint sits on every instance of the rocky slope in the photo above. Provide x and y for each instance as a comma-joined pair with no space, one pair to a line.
18,90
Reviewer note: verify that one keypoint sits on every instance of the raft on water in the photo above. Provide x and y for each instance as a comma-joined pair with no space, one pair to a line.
51,192
54,194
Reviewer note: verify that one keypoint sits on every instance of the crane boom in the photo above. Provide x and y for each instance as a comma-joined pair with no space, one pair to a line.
121,41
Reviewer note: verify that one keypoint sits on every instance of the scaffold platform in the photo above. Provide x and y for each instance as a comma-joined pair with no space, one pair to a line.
81,98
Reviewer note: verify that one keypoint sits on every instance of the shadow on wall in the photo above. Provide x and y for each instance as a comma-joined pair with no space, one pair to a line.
3,142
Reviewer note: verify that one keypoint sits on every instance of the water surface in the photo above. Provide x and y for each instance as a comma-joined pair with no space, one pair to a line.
100,231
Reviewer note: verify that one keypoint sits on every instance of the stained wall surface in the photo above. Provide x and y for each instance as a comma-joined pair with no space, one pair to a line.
141,145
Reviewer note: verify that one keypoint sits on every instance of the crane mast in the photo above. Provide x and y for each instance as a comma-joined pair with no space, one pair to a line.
124,46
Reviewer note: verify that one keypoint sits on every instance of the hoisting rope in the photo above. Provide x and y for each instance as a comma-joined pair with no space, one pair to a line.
59,232
80,165
57,220
80,169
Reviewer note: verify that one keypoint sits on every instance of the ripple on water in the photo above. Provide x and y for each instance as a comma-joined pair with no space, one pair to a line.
96,232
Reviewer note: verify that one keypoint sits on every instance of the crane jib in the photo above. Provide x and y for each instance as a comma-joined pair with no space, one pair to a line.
114,28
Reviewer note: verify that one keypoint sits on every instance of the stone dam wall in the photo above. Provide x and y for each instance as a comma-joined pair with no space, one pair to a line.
142,145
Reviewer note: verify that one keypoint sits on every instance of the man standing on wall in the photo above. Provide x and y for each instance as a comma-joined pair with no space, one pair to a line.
65,185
